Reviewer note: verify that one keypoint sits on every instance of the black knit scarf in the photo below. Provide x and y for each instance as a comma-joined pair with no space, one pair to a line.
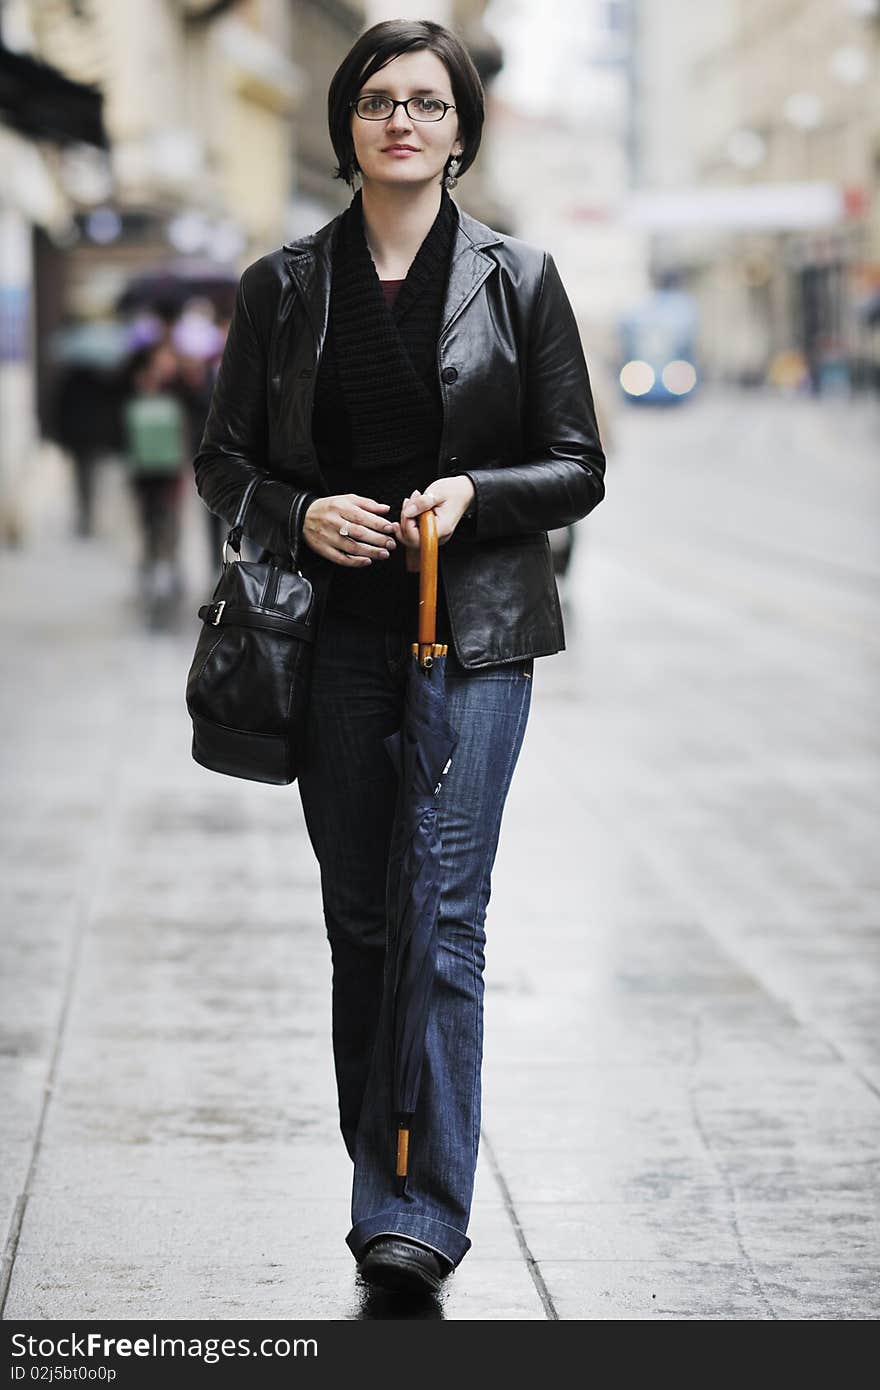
385,356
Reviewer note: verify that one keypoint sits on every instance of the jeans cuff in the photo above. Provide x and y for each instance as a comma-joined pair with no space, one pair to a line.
453,1245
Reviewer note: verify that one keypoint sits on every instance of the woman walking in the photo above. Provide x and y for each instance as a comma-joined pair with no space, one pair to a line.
406,357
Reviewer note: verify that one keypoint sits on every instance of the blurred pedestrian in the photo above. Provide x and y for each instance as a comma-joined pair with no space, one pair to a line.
81,421
155,451
450,375
199,342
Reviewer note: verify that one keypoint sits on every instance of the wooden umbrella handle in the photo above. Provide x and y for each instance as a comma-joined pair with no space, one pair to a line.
427,577
426,648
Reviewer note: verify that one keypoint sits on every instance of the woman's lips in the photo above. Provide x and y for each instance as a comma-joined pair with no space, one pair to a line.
396,149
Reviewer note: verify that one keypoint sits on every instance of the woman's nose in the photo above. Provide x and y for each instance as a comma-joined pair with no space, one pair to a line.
398,120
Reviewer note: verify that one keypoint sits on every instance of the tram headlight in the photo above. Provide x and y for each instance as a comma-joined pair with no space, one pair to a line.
637,377
679,377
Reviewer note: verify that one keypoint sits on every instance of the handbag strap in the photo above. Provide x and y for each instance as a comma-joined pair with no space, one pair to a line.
234,538
303,500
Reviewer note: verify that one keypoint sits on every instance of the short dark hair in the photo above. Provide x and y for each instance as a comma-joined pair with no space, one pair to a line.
377,46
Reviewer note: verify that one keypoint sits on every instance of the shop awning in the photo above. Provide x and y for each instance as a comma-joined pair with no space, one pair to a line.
40,102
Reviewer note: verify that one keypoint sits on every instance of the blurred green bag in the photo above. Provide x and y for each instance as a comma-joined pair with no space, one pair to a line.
155,434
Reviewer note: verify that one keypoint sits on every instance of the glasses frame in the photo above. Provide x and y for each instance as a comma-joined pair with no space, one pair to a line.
447,106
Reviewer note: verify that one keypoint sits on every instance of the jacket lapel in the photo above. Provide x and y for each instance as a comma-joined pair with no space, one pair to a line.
310,266
469,266
309,262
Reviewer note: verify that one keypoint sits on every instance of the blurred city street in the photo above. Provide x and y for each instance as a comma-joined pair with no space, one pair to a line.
682,1068
681,1079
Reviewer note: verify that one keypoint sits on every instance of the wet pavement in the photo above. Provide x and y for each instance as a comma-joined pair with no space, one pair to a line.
682,1063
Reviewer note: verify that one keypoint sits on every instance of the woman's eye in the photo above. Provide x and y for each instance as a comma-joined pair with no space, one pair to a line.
428,104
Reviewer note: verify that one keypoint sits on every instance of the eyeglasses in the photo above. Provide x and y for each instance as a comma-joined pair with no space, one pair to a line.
379,108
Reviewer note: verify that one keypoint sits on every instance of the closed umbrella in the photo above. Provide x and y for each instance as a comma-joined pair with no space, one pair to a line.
421,751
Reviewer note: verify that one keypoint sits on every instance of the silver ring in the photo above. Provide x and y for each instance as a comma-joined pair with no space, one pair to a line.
343,530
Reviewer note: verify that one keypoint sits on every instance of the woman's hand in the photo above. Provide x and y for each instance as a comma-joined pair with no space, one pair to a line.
370,535
450,499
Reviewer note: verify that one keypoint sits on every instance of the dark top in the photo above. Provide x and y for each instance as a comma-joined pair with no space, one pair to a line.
411,602
378,414
389,289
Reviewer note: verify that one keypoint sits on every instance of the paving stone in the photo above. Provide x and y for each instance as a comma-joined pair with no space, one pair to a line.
668,1290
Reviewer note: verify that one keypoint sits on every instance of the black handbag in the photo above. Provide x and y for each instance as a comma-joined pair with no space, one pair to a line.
248,686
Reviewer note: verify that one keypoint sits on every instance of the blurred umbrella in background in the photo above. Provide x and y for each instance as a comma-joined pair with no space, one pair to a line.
168,288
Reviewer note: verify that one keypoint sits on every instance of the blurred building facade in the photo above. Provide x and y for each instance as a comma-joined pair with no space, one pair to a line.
213,144
762,117
41,113
559,156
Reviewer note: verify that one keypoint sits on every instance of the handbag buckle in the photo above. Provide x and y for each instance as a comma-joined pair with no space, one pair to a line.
217,612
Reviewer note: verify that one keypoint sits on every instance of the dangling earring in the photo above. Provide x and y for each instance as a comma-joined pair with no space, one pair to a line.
454,165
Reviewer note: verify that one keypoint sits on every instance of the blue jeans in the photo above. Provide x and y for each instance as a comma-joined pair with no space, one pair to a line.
347,786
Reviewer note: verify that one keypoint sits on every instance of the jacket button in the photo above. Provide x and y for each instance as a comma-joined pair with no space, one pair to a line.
449,374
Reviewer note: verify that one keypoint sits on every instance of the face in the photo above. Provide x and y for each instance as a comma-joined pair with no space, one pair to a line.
163,365
430,142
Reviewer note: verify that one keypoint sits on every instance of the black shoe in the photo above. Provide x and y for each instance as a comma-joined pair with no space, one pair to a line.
393,1262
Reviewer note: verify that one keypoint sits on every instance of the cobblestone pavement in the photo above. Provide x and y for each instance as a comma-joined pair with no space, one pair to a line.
682,1067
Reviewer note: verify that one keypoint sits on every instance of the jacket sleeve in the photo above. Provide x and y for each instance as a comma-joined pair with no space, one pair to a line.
562,477
233,445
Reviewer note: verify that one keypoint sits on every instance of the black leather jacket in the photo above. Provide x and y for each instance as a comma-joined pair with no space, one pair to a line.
518,420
